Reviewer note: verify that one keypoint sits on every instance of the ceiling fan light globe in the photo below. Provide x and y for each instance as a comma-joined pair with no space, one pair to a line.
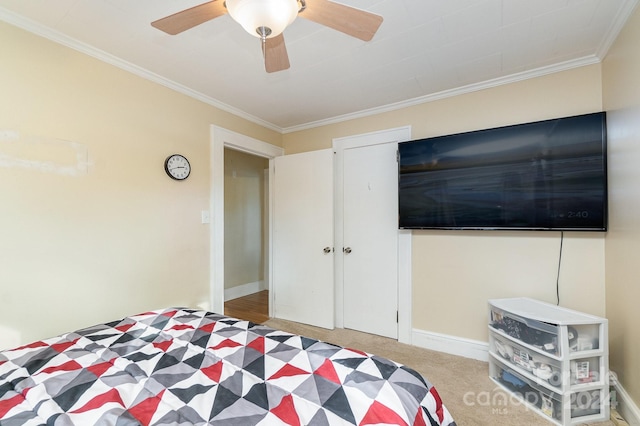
275,15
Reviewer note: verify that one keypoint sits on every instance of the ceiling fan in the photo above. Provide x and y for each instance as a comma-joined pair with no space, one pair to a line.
267,19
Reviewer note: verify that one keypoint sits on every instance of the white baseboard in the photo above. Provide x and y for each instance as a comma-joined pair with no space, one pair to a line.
623,402
453,345
243,290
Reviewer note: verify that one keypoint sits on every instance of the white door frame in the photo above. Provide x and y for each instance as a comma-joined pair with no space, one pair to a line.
221,139
400,134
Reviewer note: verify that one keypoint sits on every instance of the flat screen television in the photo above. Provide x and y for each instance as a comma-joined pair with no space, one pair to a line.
546,175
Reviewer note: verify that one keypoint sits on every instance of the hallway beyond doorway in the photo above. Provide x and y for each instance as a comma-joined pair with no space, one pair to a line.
253,307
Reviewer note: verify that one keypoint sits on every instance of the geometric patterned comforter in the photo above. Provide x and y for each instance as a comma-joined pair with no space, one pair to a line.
191,367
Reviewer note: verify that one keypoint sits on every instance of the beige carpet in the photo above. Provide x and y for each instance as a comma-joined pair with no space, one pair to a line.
464,384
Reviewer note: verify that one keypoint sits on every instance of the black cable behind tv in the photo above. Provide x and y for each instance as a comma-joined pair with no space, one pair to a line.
546,175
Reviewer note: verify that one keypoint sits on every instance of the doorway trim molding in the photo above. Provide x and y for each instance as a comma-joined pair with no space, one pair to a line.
399,134
220,139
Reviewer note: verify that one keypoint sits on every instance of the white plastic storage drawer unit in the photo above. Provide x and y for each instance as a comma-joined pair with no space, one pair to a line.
555,359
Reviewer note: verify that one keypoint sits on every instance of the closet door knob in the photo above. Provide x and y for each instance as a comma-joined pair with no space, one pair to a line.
347,250
326,250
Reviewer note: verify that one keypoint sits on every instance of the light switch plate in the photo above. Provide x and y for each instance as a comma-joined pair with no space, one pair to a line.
205,216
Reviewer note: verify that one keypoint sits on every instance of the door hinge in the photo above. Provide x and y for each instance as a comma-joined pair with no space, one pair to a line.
397,156
397,316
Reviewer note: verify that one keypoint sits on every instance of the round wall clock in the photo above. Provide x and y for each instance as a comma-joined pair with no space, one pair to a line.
177,167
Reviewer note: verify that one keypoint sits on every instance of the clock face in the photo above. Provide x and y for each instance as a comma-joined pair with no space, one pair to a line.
177,167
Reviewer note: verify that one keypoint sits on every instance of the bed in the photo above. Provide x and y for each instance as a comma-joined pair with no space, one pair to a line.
191,367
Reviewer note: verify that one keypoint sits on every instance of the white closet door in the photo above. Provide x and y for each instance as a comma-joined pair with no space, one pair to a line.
370,261
303,279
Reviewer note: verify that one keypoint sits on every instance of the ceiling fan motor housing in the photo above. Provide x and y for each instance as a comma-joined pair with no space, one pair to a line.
263,18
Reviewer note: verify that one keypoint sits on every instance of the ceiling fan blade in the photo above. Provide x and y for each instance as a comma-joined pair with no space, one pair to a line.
189,18
275,54
346,19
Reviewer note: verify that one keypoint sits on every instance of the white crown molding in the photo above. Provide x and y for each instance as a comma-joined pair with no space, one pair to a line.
626,10
33,27
58,37
620,20
538,72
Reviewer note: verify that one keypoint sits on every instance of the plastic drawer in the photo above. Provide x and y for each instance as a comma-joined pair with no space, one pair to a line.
585,370
584,337
547,402
542,368
586,403
535,333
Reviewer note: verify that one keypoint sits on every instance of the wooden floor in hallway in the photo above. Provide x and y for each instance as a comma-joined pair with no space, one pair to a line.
254,307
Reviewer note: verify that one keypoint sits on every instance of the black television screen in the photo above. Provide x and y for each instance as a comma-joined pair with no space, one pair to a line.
547,175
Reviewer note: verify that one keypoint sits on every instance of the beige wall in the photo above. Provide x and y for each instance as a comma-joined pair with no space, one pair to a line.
91,228
244,211
621,88
455,273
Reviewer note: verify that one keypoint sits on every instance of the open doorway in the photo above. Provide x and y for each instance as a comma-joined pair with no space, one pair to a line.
222,139
246,235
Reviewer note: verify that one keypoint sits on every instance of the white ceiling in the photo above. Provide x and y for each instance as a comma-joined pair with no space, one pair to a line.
424,49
